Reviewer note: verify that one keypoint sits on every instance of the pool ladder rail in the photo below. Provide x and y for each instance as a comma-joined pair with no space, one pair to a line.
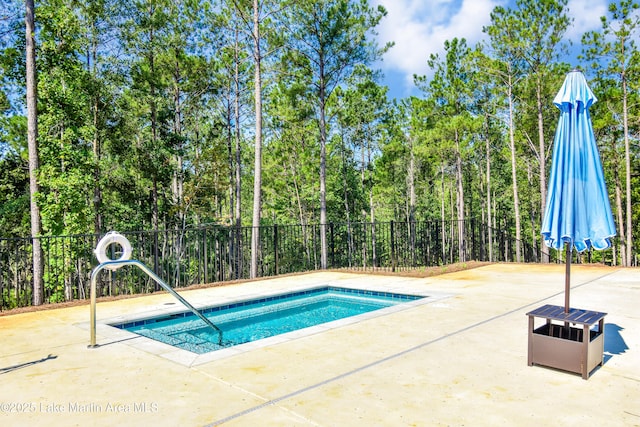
107,263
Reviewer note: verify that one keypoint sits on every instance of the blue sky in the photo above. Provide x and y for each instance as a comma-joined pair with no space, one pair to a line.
420,28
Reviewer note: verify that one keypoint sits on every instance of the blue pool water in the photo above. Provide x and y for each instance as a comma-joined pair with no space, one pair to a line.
253,320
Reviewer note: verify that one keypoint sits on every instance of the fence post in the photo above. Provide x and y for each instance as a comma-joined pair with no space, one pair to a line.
204,254
275,248
393,248
332,245
474,248
155,254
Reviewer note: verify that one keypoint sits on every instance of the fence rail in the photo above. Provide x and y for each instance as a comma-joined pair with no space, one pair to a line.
184,257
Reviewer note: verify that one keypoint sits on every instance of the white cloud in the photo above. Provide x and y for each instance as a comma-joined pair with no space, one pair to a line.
586,17
419,28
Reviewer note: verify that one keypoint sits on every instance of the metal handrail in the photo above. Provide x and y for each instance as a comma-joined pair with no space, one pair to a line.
150,273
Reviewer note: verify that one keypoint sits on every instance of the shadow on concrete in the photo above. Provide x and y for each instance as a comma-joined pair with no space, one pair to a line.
613,342
114,342
24,365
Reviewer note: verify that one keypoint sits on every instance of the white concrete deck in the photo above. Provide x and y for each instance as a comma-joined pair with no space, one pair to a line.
459,360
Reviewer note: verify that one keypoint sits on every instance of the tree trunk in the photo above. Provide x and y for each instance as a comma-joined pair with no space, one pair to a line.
236,113
442,218
178,175
236,167
323,177
514,177
230,156
257,179
627,158
34,163
542,160
345,193
155,215
345,183
460,202
97,190
488,179
619,209
411,182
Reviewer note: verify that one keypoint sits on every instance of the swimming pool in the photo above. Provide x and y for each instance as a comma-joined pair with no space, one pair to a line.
256,319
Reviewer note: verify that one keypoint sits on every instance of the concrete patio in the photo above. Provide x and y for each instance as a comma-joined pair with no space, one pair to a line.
460,360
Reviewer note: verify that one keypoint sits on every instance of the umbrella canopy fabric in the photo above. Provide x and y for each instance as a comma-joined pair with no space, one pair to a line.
578,210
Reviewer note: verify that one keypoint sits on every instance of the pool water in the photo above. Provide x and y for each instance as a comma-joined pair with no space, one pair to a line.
248,321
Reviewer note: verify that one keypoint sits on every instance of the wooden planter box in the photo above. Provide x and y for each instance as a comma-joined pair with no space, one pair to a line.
562,346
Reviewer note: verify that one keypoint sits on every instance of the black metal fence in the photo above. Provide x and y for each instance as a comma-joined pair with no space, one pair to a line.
184,257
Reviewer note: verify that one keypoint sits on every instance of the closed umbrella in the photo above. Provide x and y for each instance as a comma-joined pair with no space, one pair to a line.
578,213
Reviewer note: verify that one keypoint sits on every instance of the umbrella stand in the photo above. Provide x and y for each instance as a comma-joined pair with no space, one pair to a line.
559,345
577,214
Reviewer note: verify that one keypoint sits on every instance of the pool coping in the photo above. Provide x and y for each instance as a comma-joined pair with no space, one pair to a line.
111,334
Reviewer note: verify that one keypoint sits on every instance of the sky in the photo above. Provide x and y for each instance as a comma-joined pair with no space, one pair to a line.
420,28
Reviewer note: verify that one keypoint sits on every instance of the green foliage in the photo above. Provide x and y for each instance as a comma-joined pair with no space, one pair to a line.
14,197
613,57
138,127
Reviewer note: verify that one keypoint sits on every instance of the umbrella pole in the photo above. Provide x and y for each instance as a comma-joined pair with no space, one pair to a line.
567,278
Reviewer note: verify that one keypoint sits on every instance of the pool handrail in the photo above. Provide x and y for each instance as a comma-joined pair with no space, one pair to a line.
120,263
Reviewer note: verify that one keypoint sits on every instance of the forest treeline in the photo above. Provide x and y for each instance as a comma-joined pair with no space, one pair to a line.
162,114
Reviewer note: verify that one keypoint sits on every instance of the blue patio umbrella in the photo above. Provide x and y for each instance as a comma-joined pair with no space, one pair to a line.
578,212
